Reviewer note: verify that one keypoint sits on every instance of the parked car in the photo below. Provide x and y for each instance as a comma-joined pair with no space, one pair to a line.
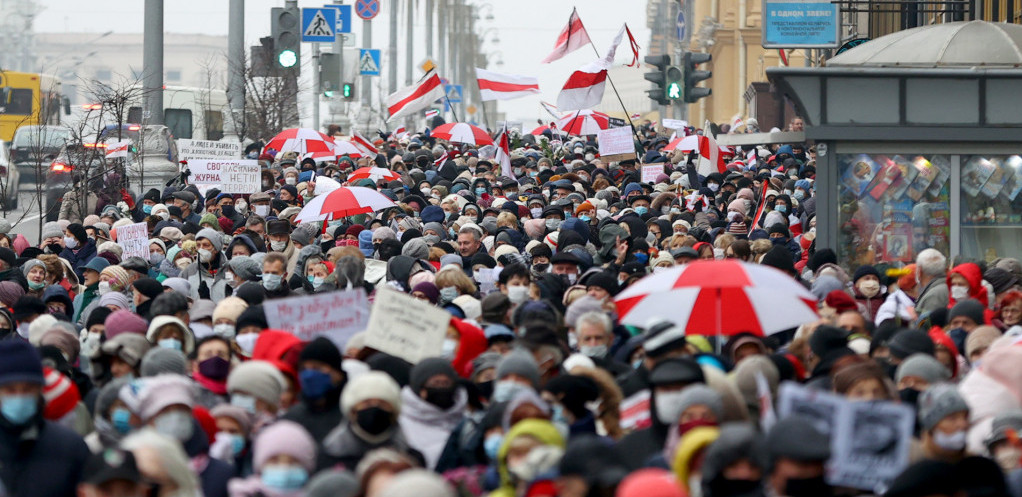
8,180
34,148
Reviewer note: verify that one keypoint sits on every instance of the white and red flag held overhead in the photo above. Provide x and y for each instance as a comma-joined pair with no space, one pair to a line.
497,86
503,155
363,144
416,97
584,88
118,149
572,37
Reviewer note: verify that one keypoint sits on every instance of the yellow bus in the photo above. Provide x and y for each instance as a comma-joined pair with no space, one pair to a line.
27,98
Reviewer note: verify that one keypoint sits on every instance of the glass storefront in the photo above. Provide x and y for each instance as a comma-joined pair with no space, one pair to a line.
892,206
991,207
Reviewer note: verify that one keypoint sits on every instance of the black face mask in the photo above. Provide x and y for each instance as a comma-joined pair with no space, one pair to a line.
807,487
909,396
227,210
374,420
723,487
55,248
540,268
485,389
441,397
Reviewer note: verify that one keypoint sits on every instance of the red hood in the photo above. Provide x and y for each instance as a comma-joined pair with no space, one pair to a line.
473,342
279,348
941,339
972,274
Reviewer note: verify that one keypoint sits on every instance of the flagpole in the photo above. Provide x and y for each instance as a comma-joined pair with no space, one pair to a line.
449,104
614,87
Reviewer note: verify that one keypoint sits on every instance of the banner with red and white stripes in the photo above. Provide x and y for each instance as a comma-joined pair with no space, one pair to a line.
584,88
416,97
497,86
363,144
572,37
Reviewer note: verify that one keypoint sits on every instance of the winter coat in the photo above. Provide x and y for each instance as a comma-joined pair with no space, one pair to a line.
897,304
869,306
79,258
42,460
346,448
933,296
427,426
197,273
318,420
541,430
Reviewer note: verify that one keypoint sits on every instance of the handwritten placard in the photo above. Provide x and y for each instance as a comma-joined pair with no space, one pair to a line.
230,176
649,173
134,240
335,315
616,144
207,149
406,327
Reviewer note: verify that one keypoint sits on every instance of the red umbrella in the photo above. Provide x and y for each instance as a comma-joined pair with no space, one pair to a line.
584,122
373,173
342,147
690,143
539,130
301,140
462,133
352,200
719,298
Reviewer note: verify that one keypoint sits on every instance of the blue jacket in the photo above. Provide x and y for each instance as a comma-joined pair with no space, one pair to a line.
79,258
44,460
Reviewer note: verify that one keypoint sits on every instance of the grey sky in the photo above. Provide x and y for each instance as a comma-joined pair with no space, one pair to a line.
527,30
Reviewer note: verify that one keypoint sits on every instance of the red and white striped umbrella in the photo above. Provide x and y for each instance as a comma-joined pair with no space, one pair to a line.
723,297
344,201
690,143
583,122
344,147
373,173
321,156
462,133
301,140
539,131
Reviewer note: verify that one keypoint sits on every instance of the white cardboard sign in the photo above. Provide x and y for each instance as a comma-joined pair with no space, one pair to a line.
335,315
134,240
406,327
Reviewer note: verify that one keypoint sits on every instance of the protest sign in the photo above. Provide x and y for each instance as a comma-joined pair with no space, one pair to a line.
134,240
230,176
207,149
649,173
406,327
616,144
675,124
335,315
869,441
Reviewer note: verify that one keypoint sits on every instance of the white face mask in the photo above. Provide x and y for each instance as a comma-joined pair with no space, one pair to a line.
952,442
104,287
175,424
449,348
247,342
869,288
205,255
241,206
225,330
261,210
278,246
70,242
291,180
668,406
1009,458
164,215
518,294
959,292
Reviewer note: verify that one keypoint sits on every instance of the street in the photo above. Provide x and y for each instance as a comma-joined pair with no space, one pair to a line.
25,218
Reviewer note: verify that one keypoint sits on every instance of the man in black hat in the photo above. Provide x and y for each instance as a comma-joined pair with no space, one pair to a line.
9,271
111,473
567,265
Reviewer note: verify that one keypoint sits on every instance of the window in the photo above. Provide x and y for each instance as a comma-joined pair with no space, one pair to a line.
892,207
174,75
179,121
17,101
214,125
991,207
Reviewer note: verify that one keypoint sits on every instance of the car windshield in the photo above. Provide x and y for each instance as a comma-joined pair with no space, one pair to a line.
41,136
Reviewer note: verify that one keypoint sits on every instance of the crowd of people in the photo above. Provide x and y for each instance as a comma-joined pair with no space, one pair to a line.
160,376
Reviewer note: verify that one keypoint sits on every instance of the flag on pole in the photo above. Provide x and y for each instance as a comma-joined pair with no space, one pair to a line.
572,37
431,113
551,109
710,158
416,97
497,86
503,153
118,149
762,207
584,88
784,56
363,144
635,48
736,122
400,133
636,115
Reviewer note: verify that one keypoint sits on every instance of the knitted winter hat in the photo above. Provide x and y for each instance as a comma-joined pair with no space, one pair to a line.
60,393
520,363
371,385
259,379
229,308
160,360
938,402
284,438
163,391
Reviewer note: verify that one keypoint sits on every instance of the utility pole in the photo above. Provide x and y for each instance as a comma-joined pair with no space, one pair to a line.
392,50
410,43
152,62
317,86
441,15
429,28
236,65
367,42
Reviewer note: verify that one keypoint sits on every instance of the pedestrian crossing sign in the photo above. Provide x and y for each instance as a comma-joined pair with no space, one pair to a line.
319,25
369,62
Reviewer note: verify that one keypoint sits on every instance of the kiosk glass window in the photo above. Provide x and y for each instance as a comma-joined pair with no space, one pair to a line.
892,206
991,206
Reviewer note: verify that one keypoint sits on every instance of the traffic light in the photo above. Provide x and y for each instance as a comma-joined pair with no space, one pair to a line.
658,93
348,91
674,78
693,75
329,73
285,24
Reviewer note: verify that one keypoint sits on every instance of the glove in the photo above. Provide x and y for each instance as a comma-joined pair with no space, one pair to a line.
124,208
203,291
127,198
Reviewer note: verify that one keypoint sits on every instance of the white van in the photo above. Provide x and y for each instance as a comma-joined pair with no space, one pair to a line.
192,113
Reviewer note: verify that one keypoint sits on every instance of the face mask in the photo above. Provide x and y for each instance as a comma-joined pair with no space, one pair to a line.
36,286
517,294
571,277
636,363
148,209
169,343
798,195
225,330
449,347
91,343
1008,458
731,216
723,486
237,442
284,477
448,293
959,292
585,219
909,396
536,212
121,419
869,288
443,398
641,257
506,390
246,402
104,287
485,389
316,281
175,424
480,191
70,242
156,259
713,187
163,215
315,383
595,351
183,262
492,446
272,282
247,342
19,409
373,420
642,209
533,174
807,487
215,368
668,406
278,246
431,239
553,224
424,191
261,210
540,268
952,442
291,180
205,255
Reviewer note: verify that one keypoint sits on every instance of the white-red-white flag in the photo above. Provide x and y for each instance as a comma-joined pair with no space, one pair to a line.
551,109
416,97
118,149
497,86
400,133
710,159
584,88
572,37
439,163
503,153
634,46
363,144
432,113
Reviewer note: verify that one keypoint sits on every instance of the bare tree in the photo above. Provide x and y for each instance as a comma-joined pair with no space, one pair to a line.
271,99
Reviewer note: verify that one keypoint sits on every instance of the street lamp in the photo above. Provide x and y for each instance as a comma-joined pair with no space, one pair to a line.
489,11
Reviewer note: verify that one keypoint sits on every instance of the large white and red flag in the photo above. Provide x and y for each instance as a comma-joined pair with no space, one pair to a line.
584,88
572,37
363,144
118,149
416,97
497,86
503,153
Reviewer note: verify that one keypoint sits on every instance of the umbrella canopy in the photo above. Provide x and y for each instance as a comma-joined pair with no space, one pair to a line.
373,173
690,143
584,122
539,130
462,133
321,156
719,298
343,147
301,140
344,201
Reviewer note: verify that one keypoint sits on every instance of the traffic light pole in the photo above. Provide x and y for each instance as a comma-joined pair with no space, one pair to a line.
152,62
367,41
236,65
317,84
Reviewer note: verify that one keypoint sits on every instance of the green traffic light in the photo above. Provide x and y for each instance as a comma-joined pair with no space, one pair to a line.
328,94
674,91
346,90
287,58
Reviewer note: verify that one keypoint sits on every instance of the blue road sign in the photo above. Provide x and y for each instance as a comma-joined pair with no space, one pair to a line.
319,25
367,9
681,26
454,96
343,17
368,62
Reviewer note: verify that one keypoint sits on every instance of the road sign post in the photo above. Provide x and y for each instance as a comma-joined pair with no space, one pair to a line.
319,25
